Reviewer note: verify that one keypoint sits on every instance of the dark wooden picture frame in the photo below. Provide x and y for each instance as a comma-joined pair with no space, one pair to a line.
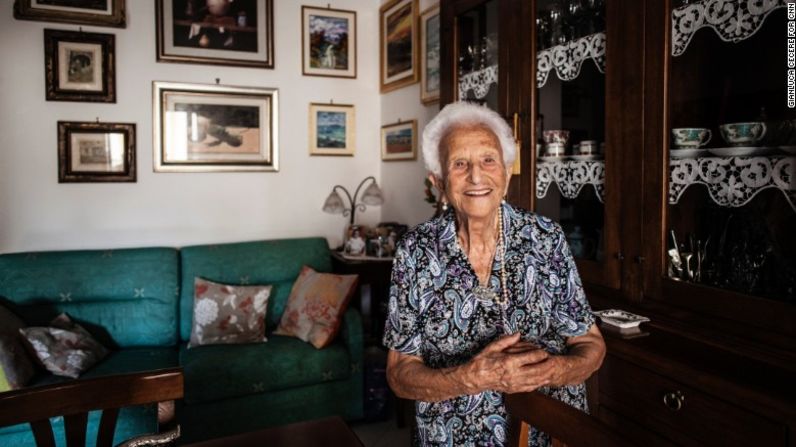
234,34
79,66
394,146
393,49
329,51
113,14
95,152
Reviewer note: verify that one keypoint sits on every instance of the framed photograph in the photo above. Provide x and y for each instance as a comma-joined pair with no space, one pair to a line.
429,55
79,66
398,44
399,141
96,152
331,129
214,128
217,32
81,12
328,42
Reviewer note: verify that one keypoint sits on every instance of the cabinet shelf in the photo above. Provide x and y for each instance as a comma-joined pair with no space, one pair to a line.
570,176
566,59
733,181
732,20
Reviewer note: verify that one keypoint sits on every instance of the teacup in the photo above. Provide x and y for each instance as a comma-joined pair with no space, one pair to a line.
691,137
556,136
588,147
555,149
743,134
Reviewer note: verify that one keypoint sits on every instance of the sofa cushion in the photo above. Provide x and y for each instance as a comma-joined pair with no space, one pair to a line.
274,262
125,297
16,367
282,362
64,347
225,314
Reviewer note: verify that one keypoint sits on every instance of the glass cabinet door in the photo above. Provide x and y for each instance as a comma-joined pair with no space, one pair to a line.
731,202
477,54
571,124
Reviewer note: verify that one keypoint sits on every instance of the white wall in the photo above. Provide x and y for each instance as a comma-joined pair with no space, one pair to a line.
402,181
178,209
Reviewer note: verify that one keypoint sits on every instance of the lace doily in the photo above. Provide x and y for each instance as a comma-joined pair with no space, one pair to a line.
733,181
732,20
478,81
570,176
567,59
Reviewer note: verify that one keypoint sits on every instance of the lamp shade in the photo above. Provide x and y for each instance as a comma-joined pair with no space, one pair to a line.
372,195
333,204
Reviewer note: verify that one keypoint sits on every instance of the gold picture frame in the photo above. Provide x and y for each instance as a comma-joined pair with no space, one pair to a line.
95,152
399,141
398,36
328,42
79,12
332,129
79,66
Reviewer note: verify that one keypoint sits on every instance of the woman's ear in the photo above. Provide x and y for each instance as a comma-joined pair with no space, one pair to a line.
437,182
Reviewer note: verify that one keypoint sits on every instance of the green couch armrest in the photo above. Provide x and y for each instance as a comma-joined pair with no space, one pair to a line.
352,335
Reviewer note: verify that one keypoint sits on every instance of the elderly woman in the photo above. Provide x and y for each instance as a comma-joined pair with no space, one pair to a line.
486,298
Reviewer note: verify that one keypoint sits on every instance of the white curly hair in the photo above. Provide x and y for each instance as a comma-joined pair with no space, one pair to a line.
465,114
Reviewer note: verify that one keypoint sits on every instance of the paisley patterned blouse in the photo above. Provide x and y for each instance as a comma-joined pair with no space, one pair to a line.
434,314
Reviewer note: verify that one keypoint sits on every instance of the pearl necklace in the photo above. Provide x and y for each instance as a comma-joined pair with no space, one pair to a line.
485,292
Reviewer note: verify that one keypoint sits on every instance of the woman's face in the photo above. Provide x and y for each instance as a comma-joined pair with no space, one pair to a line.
474,175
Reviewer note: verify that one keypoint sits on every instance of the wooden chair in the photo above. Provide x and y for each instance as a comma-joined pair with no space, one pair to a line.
565,424
74,399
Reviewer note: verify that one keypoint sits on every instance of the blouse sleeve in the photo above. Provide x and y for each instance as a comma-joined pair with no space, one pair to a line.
402,332
571,313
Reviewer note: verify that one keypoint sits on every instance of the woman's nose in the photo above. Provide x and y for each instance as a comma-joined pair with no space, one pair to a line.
475,173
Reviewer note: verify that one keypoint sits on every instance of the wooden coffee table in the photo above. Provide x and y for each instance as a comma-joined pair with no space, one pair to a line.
328,431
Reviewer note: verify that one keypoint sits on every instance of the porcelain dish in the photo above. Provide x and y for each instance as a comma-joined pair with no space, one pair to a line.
687,153
620,318
742,151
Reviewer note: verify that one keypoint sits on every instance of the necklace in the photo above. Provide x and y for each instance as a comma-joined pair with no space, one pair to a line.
486,293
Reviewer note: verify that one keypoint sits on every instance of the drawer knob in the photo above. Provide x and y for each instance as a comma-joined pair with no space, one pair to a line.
674,400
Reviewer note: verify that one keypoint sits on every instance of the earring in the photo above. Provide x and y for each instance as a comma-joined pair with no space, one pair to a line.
444,206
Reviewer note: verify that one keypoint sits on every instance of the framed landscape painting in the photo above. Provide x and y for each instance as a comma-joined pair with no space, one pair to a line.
398,44
328,42
331,129
80,12
91,152
429,55
399,141
214,128
217,32
79,66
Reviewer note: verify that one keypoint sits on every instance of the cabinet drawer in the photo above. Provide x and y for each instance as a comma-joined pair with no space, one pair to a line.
682,413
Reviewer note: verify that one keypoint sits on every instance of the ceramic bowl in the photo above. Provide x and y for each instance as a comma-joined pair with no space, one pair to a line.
588,147
556,136
555,149
743,134
691,137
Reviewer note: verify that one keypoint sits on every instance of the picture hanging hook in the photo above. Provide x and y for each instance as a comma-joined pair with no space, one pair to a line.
218,80
97,120
328,6
80,29
399,120
331,101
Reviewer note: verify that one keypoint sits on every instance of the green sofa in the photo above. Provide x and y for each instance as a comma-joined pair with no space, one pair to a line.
139,303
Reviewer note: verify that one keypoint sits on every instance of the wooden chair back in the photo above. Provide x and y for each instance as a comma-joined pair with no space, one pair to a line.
74,399
565,424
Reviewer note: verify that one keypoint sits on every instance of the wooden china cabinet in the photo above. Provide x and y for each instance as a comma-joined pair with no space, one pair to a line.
687,214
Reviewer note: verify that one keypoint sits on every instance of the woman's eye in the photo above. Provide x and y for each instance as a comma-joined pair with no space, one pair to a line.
459,164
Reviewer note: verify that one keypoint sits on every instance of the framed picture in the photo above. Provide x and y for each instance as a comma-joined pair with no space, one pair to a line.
331,129
96,152
81,12
398,44
328,42
214,128
399,141
79,66
429,55
217,32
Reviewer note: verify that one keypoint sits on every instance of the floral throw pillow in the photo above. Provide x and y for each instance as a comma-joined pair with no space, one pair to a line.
316,305
224,314
16,368
64,348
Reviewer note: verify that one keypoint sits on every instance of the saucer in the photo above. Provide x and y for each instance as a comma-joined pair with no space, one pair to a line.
620,319
552,157
586,157
686,153
742,151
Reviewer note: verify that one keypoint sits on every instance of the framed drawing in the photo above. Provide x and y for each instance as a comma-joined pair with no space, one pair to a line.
328,42
331,129
429,55
214,128
217,32
79,66
96,152
81,12
398,44
399,141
